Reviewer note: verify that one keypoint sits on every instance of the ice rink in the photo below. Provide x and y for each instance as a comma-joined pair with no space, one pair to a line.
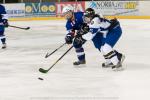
20,62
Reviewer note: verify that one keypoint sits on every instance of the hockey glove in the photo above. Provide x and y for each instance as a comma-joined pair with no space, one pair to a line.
79,40
5,22
68,39
114,23
84,29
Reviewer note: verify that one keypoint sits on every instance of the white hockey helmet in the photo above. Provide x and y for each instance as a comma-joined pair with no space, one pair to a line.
67,9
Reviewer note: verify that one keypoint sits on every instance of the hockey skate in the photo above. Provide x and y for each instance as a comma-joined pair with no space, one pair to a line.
121,58
107,65
4,46
119,67
79,62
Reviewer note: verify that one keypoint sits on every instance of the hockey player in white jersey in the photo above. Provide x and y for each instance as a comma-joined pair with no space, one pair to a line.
3,24
104,33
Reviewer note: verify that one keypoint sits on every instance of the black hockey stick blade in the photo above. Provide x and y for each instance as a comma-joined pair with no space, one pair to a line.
49,54
43,70
27,28
46,55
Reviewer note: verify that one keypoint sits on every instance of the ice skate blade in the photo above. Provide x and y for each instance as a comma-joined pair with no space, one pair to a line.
118,69
80,66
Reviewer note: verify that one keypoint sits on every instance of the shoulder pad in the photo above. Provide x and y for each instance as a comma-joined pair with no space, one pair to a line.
95,23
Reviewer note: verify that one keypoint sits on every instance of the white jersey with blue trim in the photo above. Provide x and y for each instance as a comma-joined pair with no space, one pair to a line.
97,25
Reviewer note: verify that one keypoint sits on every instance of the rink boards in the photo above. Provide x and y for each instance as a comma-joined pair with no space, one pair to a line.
53,10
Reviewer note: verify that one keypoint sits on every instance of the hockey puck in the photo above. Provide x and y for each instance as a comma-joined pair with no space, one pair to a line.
40,78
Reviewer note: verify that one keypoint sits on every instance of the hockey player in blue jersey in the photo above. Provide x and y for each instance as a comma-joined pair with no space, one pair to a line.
104,33
74,22
3,24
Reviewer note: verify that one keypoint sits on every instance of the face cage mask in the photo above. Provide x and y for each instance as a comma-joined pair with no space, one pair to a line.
68,15
86,19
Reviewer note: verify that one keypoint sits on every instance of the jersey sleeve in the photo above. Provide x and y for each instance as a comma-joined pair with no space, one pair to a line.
88,36
70,30
3,12
68,25
2,9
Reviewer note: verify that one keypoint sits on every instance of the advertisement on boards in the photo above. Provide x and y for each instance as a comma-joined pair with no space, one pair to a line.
111,8
40,9
78,6
15,10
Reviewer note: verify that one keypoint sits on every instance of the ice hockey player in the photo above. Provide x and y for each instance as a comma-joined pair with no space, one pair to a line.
104,33
73,24
3,24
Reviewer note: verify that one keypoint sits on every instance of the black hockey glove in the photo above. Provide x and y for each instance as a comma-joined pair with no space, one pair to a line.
84,29
114,23
79,40
68,39
5,22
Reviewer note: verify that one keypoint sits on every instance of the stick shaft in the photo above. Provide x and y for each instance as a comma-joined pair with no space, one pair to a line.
49,54
59,59
19,27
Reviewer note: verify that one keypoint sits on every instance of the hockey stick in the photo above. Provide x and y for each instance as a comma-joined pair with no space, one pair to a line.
49,54
27,28
45,71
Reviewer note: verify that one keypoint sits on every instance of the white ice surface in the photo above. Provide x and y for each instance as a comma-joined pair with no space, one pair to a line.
20,62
